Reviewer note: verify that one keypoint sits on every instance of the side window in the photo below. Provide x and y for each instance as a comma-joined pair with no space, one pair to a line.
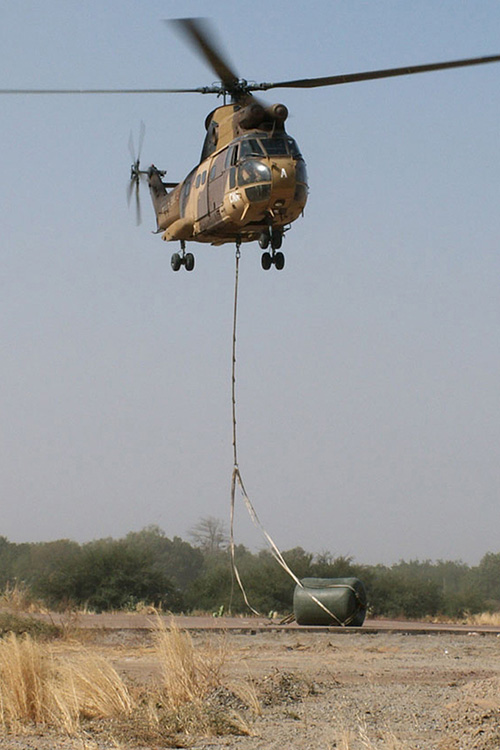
300,171
211,138
185,195
231,156
218,165
232,177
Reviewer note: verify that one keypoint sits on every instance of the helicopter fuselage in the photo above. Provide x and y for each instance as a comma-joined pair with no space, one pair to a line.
251,180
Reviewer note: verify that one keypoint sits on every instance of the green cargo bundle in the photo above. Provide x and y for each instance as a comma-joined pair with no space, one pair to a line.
344,600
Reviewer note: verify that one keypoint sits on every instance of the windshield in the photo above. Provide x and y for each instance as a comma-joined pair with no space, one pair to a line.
275,146
280,145
294,149
250,147
252,170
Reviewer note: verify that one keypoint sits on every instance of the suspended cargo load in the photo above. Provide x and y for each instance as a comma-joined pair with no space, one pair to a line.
330,601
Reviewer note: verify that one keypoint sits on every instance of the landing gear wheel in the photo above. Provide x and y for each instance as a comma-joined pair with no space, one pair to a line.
276,239
279,261
266,261
264,240
189,261
176,261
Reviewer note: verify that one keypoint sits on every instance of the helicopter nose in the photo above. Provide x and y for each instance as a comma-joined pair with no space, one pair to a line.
283,175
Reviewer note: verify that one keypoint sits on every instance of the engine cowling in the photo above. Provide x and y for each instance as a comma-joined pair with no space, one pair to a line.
277,112
251,116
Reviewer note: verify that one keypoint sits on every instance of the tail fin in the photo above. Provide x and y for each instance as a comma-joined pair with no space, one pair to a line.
158,191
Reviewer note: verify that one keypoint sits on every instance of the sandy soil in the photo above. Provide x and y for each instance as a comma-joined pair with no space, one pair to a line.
326,690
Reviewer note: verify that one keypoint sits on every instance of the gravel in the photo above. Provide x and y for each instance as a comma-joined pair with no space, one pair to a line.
329,691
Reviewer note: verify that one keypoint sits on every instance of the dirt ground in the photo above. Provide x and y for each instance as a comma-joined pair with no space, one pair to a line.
328,690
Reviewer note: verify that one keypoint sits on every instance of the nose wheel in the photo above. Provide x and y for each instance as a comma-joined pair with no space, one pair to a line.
273,238
183,259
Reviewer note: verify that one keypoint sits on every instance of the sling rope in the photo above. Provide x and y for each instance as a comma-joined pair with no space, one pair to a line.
237,481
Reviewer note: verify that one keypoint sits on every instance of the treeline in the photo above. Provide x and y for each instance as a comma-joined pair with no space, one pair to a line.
147,567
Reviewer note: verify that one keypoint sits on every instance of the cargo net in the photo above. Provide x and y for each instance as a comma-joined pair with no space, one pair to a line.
237,483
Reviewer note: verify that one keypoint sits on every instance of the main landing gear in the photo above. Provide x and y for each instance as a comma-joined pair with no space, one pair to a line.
184,259
274,238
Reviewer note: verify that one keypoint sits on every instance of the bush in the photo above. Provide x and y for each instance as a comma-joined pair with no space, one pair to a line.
12,623
109,574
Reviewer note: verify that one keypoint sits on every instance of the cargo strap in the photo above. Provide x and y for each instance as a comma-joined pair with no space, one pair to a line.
237,481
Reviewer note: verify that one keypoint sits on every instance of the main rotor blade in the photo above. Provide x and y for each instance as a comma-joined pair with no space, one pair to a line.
202,90
309,83
201,37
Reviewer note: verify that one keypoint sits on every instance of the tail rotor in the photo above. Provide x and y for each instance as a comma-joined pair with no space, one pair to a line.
136,173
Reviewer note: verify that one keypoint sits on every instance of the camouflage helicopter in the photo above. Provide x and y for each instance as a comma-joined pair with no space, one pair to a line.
251,181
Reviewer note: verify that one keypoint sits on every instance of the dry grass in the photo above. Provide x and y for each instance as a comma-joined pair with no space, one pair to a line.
18,598
94,687
62,686
10,622
25,675
188,675
38,688
483,618
69,688
360,740
191,697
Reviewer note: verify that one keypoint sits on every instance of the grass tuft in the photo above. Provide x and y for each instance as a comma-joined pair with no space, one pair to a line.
68,688
19,625
187,675
18,598
191,696
38,688
483,618
359,740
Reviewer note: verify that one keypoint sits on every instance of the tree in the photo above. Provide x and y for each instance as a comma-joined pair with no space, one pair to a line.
488,576
108,574
174,558
210,535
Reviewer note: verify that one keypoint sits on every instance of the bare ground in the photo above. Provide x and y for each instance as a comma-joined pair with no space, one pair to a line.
326,690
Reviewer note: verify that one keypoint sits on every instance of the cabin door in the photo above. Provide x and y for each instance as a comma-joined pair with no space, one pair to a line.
216,183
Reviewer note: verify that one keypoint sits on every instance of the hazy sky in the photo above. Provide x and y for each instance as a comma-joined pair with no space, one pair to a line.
368,370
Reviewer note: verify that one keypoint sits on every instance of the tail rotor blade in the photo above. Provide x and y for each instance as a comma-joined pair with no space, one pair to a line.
138,213
142,132
131,147
130,188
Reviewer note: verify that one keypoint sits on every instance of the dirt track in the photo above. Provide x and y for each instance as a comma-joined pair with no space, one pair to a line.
345,690
134,621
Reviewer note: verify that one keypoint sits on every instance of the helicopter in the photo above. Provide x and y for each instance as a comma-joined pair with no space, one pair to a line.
251,180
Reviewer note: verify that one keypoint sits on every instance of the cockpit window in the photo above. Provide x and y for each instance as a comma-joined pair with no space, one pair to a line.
294,149
250,147
275,146
252,170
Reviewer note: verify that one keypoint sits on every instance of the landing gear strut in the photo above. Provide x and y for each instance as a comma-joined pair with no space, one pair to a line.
273,237
184,259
